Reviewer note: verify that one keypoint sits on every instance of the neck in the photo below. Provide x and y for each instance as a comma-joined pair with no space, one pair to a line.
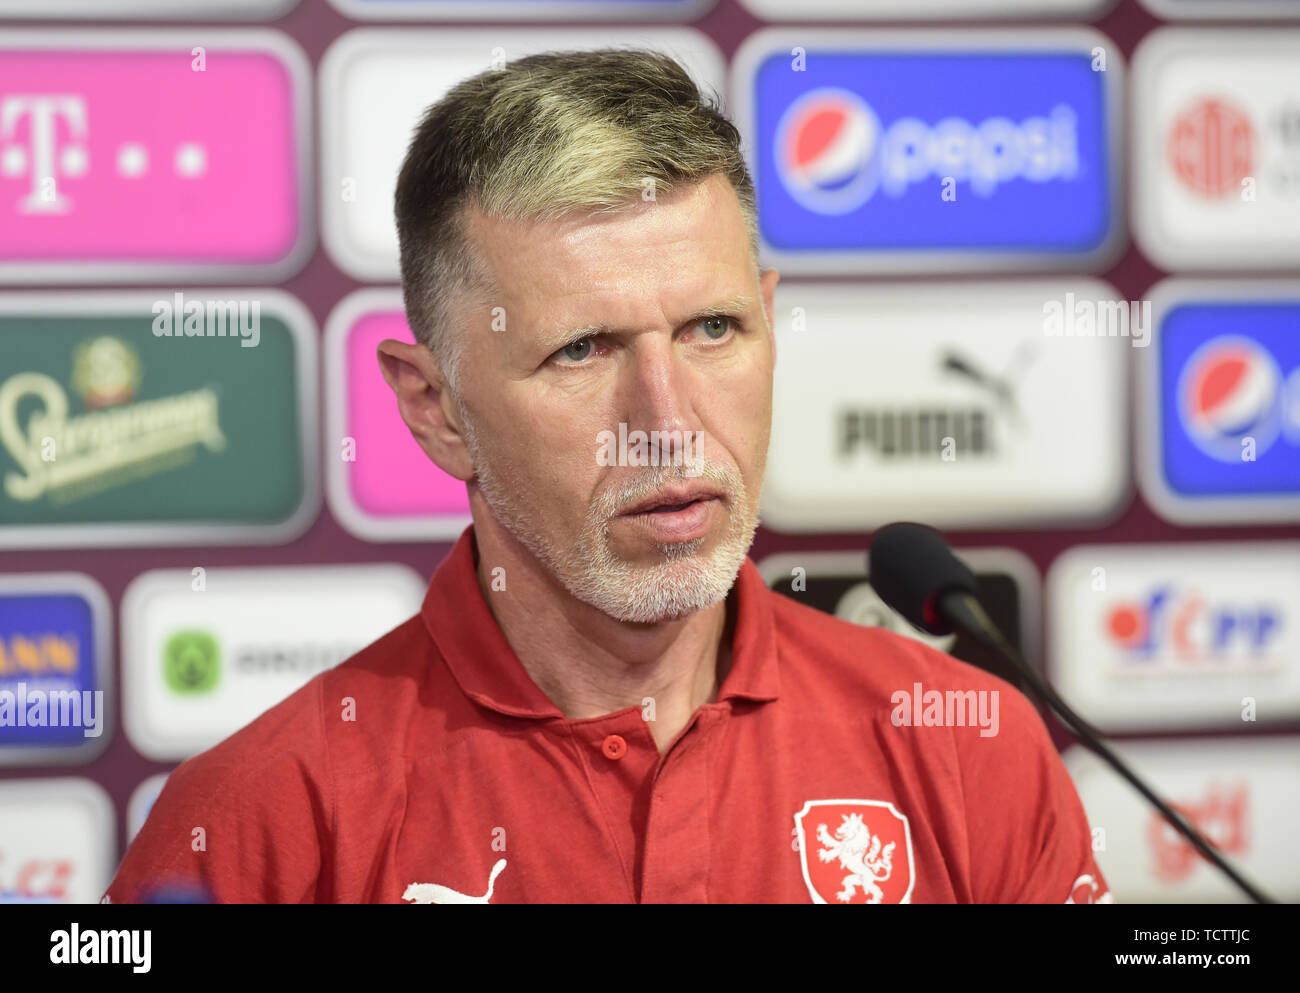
590,664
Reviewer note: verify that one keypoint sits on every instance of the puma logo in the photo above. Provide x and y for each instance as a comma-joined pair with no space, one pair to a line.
433,893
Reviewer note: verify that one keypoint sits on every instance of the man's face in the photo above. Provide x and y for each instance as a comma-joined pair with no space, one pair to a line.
545,409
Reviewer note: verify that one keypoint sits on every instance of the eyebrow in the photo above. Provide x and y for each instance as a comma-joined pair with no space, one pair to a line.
554,341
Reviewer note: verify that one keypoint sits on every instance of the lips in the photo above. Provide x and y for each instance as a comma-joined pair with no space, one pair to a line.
671,500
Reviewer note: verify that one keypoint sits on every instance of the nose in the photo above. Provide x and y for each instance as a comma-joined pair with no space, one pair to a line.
657,389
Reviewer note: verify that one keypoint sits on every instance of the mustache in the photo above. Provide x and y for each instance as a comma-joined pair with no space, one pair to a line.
628,494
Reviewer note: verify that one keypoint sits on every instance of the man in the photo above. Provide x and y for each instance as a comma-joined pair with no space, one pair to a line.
600,700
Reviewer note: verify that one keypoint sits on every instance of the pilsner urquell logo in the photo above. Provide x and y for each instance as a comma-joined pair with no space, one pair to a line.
65,457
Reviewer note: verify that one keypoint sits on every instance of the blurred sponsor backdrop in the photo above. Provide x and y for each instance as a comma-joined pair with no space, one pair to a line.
1041,289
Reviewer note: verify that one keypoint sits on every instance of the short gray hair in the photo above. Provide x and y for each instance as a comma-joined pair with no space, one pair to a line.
543,136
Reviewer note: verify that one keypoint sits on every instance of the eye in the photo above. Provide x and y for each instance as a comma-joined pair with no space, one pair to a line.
576,351
716,326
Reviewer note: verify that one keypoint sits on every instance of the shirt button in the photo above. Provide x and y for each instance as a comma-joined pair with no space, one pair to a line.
614,746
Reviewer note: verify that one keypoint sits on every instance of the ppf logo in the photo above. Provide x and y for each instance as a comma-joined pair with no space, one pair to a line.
1177,629
1147,637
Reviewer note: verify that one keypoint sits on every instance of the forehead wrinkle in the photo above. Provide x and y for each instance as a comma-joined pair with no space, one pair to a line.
554,340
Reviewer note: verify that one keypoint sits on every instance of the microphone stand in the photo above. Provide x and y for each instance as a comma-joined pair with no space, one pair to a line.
966,613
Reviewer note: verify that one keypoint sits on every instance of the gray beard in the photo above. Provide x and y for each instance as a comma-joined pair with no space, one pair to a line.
684,583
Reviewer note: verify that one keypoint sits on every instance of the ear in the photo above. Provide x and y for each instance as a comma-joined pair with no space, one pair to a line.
426,405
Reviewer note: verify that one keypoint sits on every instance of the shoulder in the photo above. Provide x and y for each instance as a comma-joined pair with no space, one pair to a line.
387,667
989,731
879,660
291,739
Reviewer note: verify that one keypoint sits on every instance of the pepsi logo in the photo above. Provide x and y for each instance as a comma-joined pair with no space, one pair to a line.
827,151
833,154
1291,403
1230,390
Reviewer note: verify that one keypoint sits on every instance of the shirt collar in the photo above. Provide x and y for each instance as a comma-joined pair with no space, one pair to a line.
461,624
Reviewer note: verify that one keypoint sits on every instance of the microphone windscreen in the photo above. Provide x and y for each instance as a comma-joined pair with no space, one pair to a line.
911,566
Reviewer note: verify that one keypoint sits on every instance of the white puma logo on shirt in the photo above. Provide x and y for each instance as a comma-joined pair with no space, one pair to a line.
433,893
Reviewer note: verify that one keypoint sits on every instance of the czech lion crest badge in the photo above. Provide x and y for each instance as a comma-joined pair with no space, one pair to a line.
855,851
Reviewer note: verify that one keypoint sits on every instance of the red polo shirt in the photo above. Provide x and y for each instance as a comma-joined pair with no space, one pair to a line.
430,768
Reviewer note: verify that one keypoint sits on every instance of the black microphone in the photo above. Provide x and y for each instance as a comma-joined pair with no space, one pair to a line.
914,571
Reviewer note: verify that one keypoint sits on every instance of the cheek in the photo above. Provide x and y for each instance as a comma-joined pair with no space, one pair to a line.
511,453
554,455
737,429
745,407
